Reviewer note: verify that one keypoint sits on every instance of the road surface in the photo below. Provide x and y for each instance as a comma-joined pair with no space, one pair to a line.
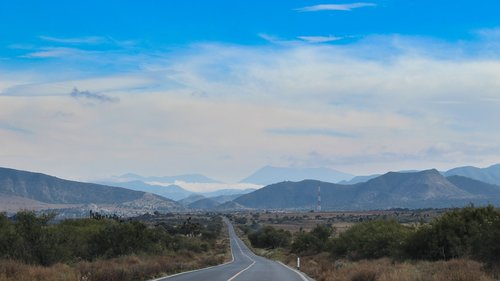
245,266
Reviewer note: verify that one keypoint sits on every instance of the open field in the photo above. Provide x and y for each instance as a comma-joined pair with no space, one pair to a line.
341,221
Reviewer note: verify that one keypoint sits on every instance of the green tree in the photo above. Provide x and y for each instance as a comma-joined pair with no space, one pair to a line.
372,239
269,237
470,231
313,242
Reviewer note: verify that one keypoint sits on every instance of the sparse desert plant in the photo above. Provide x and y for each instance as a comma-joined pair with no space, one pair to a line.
322,269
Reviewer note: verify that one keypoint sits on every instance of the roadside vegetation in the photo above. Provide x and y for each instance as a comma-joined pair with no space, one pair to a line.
460,245
104,249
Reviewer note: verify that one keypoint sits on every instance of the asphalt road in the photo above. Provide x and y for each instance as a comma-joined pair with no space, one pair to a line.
245,266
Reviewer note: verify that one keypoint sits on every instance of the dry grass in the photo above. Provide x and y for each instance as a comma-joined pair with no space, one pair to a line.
128,268
322,268
11,270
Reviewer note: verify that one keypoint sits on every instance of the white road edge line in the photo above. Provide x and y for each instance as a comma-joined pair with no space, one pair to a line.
199,269
294,270
245,269
185,272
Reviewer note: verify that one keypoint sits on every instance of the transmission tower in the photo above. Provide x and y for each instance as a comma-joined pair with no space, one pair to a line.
318,206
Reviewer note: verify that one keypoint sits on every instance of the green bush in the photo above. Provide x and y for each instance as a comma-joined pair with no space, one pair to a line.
269,237
468,232
31,239
312,242
372,239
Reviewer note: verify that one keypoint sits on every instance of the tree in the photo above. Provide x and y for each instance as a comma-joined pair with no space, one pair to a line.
315,241
465,232
269,237
372,239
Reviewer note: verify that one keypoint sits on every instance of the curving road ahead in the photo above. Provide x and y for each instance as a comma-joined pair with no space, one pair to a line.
245,266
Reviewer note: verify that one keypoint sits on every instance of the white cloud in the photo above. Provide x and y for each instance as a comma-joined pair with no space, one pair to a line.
32,86
58,52
402,106
335,7
319,39
92,40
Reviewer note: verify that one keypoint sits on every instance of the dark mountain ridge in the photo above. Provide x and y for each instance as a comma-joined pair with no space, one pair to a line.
52,191
49,189
391,190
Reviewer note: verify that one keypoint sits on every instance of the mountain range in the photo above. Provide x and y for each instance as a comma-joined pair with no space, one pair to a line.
490,174
40,191
178,193
172,191
392,190
411,189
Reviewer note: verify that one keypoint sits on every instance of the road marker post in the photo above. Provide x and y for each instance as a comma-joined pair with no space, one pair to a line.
298,263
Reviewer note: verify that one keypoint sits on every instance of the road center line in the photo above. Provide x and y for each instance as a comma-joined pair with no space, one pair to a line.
236,275
246,268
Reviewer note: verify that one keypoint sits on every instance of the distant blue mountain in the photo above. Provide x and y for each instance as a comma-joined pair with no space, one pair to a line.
359,179
489,175
224,192
269,175
191,178
173,192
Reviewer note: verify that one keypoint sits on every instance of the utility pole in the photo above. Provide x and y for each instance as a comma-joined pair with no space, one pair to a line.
318,206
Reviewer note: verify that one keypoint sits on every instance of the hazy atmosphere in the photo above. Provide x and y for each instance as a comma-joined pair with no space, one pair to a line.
94,89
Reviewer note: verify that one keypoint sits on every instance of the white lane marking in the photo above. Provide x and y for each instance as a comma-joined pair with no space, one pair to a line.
236,275
195,270
245,269
294,270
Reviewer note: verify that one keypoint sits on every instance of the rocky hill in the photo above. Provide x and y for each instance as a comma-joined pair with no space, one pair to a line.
392,190
38,191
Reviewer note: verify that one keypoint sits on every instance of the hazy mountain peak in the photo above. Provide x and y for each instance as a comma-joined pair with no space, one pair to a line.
270,174
189,178
489,174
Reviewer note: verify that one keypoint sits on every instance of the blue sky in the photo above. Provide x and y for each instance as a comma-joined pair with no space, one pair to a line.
225,87
161,23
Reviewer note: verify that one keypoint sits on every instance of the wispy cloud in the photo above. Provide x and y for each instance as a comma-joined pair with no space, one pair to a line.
59,52
336,7
15,129
96,84
360,104
92,40
92,96
319,39
309,132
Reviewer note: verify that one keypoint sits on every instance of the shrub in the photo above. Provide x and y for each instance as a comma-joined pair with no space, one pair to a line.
373,239
465,232
269,237
312,242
